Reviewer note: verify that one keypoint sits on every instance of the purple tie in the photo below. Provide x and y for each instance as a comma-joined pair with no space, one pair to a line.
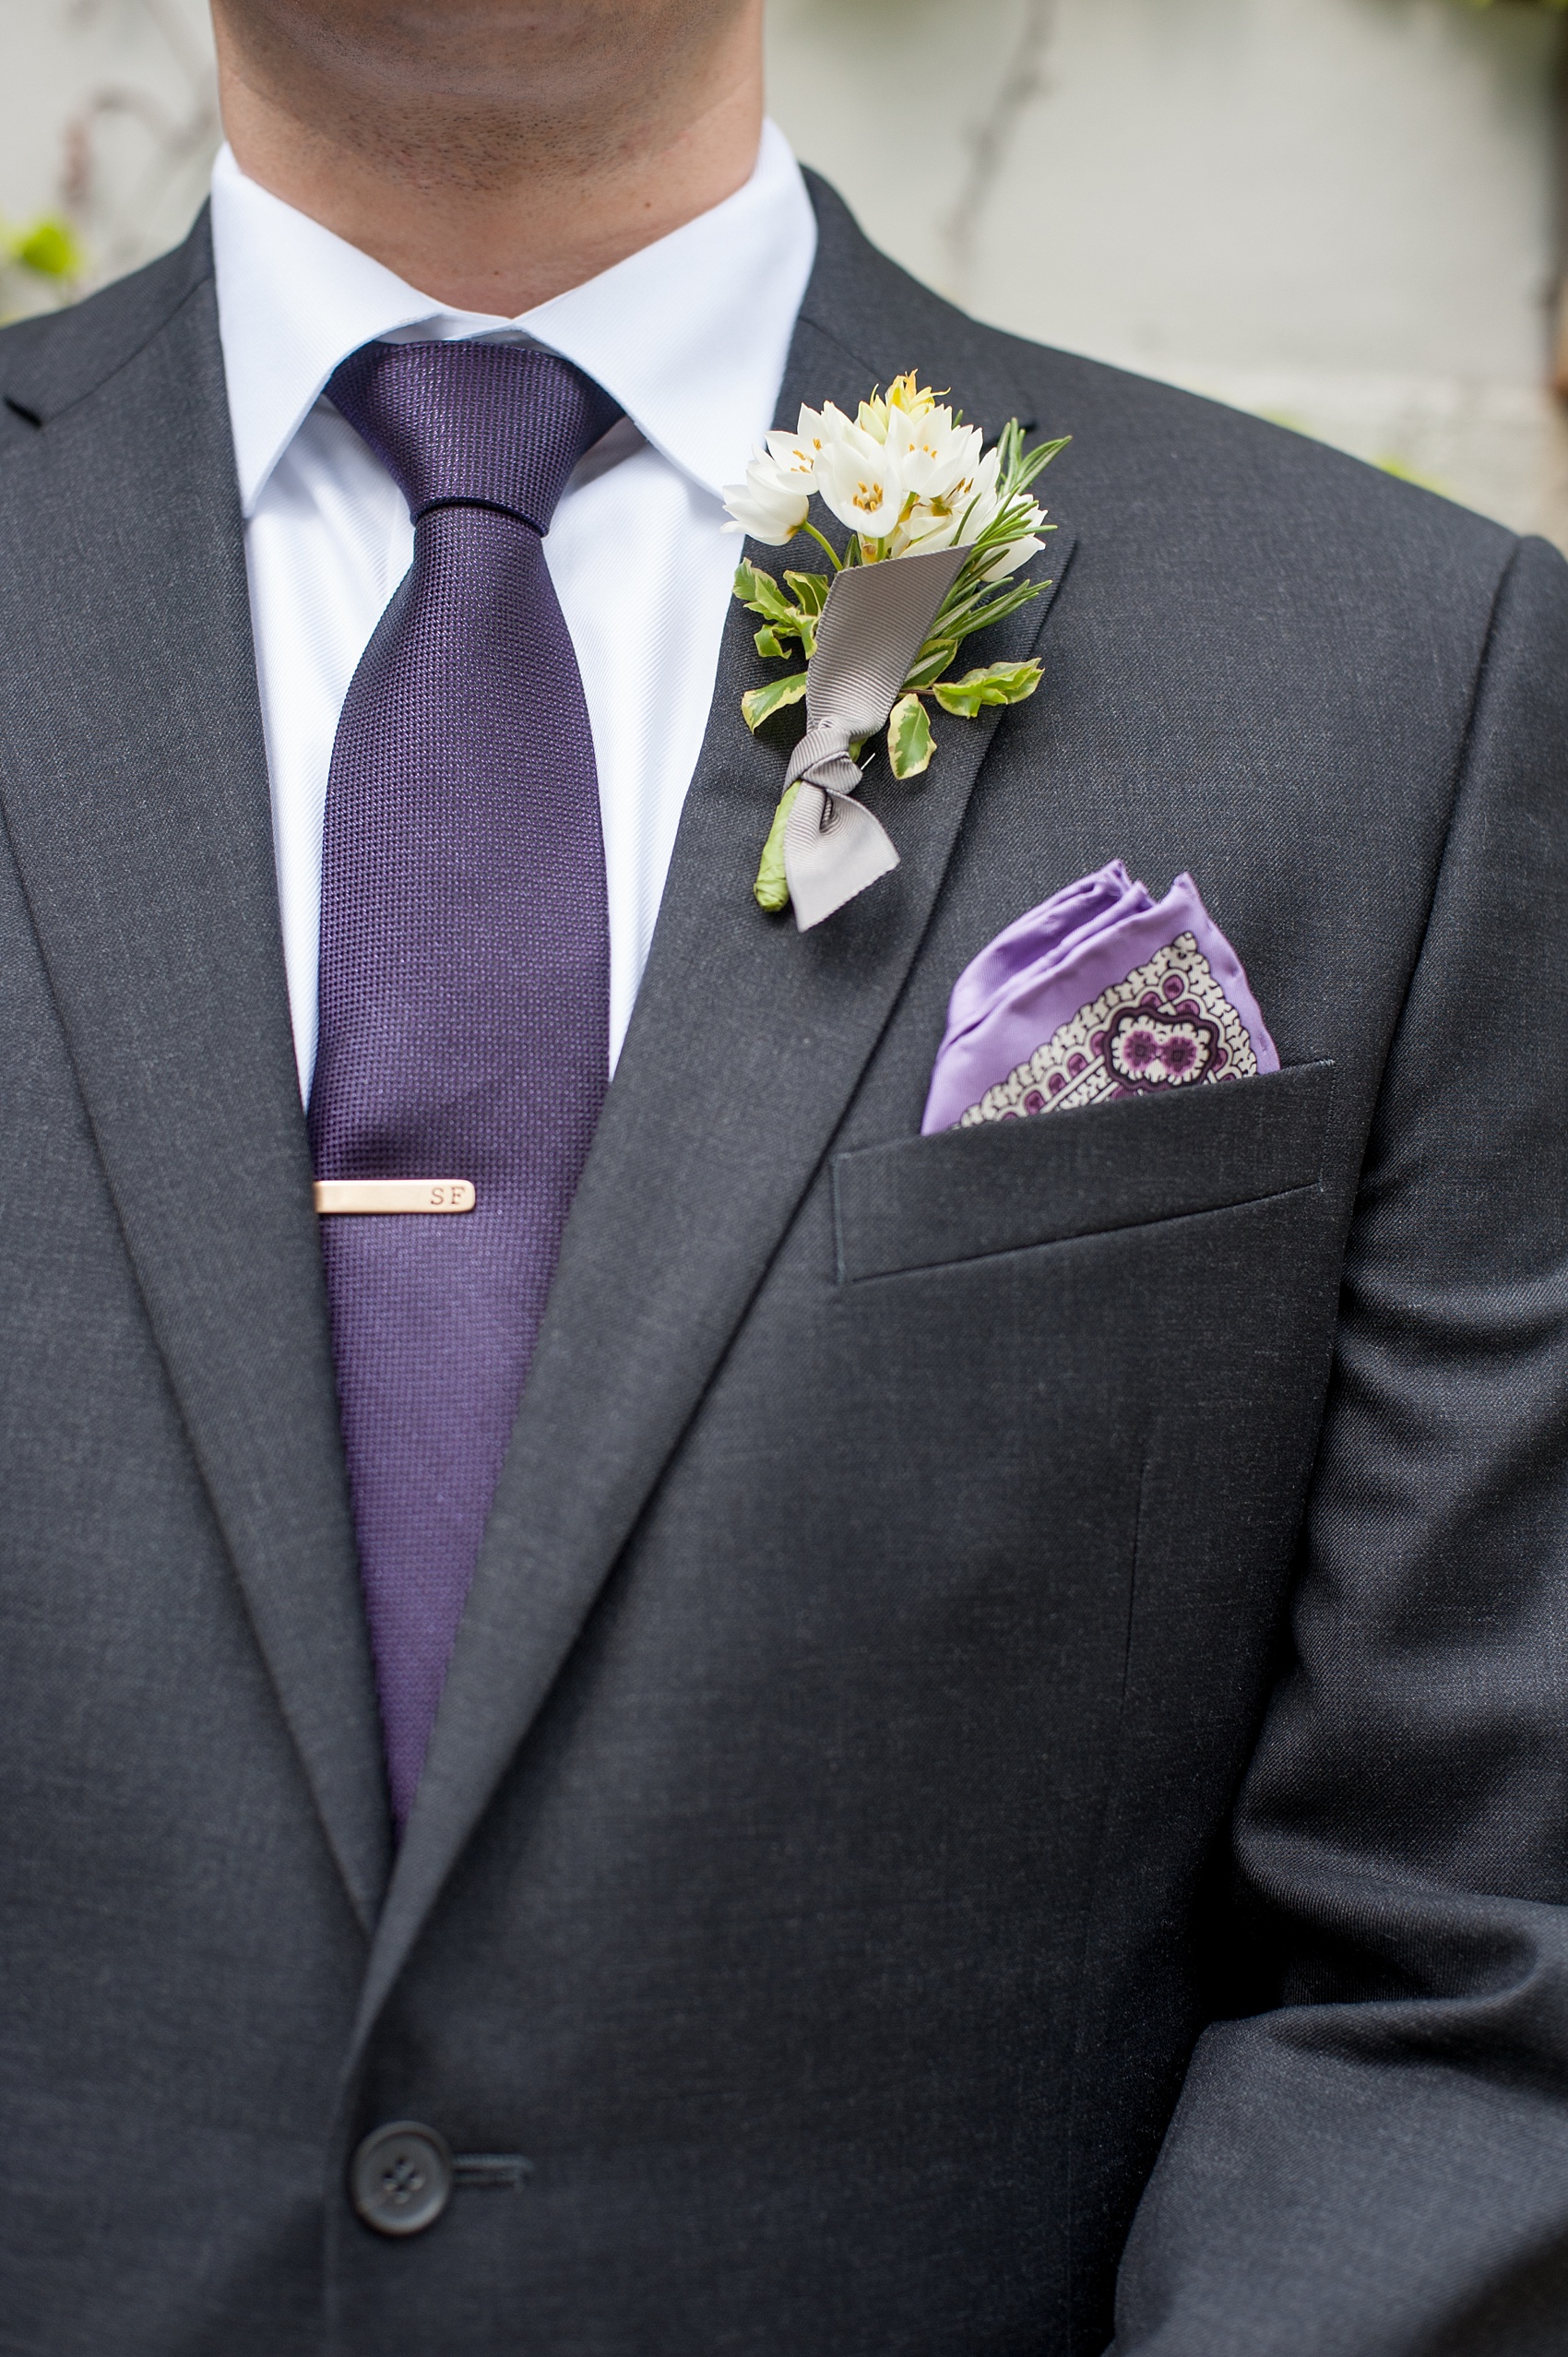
465,977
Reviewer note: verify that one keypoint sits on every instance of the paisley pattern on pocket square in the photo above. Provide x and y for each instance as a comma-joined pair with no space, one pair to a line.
1101,992
1167,1026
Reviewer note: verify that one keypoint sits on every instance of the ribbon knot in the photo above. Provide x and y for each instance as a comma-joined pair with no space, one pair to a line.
873,626
823,758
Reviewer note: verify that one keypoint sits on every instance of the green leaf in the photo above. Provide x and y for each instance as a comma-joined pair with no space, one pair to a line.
977,612
974,603
811,590
909,741
997,684
772,887
1034,461
759,704
982,610
1020,467
769,641
760,593
50,250
1007,602
933,661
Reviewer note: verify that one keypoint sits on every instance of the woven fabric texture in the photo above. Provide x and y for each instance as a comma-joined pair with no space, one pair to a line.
465,968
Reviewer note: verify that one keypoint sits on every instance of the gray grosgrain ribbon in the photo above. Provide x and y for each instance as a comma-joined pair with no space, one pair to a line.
872,627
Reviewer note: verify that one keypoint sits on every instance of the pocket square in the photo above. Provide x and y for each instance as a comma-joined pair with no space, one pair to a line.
1101,992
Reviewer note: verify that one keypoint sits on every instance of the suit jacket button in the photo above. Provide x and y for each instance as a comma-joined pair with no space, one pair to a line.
400,2179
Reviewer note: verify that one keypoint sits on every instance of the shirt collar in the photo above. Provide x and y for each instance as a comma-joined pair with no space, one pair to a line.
691,335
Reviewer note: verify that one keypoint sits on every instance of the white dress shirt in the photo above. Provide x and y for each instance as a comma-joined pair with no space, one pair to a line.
691,336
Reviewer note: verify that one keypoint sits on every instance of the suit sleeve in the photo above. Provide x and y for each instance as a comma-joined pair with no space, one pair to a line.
1378,2165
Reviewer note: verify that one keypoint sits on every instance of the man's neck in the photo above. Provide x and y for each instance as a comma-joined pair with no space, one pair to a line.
490,208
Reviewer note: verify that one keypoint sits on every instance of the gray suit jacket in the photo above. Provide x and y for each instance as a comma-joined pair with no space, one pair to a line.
1001,1663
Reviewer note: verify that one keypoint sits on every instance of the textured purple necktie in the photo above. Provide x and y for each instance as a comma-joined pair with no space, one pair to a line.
465,977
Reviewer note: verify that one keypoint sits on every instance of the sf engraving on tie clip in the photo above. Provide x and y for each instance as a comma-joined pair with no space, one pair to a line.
334,1196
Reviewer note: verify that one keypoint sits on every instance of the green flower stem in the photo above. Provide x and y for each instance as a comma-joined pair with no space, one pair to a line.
824,542
772,887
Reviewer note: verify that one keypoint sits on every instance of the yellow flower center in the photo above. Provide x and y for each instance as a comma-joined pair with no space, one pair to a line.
949,503
905,393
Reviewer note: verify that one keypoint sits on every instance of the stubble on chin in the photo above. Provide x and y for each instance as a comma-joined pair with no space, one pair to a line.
471,96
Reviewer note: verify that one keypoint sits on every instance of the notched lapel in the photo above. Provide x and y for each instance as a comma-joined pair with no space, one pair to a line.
746,1045
134,789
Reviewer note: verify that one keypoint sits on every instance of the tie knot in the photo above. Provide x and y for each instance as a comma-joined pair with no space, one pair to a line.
470,425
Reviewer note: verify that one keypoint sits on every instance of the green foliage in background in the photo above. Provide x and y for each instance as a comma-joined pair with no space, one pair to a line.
41,265
49,249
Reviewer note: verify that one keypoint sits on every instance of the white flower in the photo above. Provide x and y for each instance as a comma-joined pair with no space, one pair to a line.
1009,559
798,452
772,504
981,502
959,511
774,499
858,478
959,517
933,455
901,473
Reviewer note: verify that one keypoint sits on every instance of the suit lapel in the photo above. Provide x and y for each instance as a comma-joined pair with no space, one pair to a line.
747,1043
135,792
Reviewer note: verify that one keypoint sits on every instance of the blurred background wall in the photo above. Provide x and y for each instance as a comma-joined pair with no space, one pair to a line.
1347,214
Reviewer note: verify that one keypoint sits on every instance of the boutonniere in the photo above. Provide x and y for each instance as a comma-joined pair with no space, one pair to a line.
937,525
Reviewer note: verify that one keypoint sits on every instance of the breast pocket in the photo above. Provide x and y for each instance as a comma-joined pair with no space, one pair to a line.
1003,1187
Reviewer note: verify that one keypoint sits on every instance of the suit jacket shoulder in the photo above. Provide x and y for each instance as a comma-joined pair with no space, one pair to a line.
48,363
1177,478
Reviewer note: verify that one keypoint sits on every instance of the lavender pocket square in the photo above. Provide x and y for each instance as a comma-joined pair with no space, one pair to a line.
1099,993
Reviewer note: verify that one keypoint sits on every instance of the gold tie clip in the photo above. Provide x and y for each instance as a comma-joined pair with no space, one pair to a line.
336,1195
